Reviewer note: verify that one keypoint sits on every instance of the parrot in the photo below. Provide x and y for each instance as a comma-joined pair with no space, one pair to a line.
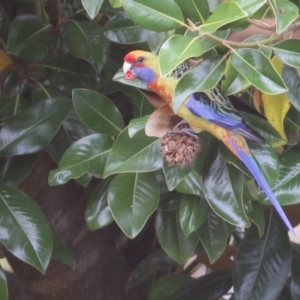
203,111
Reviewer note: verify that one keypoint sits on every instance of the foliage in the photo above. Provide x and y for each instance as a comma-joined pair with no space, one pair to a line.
58,95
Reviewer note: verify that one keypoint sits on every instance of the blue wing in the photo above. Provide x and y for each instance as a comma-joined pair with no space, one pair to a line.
218,109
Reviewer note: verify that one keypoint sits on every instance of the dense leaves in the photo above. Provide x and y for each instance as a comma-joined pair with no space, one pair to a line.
63,91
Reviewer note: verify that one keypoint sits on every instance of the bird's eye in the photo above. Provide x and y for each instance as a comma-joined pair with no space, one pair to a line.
140,59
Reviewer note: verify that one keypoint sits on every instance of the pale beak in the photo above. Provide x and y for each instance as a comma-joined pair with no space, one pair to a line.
129,73
126,66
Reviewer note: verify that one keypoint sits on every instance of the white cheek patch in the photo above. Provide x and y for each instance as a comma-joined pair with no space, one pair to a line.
126,66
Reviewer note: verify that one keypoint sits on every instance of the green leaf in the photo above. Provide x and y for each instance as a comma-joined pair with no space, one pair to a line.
4,27
223,192
115,3
176,50
213,236
66,73
261,262
121,29
295,276
86,40
171,237
132,199
174,174
29,38
288,51
233,81
61,252
250,6
225,13
156,261
258,70
192,213
167,287
292,79
181,287
87,155
32,130
3,285
287,188
155,15
97,111
24,230
285,13
203,77
141,106
256,215
14,169
135,125
137,154
191,184
97,213
196,10
92,7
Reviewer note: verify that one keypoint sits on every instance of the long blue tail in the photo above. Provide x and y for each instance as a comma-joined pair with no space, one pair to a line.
250,163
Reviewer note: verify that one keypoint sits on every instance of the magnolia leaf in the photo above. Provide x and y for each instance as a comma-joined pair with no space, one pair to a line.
276,106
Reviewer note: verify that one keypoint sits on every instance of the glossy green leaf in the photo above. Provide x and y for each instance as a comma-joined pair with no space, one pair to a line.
121,29
176,50
287,188
250,6
233,81
295,276
86,40
258,70
292,79
115,3
174,174
267,160
256,215
132,199
224,14
288,51
29,38
171,237
3,285
31,240
97,213
137,154
14,169
155,41
196,10
155,15
61,252
213,236
141,106
191,184
223,192
32,130
261,262
87,155
4,27
203,77
156,261
167,287
92,7
66,72
97,111
192,213
182,287
135,125
285,13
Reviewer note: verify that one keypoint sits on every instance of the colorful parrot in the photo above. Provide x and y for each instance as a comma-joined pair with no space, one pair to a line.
209,111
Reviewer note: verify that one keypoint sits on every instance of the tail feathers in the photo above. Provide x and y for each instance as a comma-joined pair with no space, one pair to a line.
253,168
